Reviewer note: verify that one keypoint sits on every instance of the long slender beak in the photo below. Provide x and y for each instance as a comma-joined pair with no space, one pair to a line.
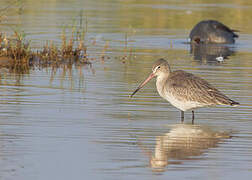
143,83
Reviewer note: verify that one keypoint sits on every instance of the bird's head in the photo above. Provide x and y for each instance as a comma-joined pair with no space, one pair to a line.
159,69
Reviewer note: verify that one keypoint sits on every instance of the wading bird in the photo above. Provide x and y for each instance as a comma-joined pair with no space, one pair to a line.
184,90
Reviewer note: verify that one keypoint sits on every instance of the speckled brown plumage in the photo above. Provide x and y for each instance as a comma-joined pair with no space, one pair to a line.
188,87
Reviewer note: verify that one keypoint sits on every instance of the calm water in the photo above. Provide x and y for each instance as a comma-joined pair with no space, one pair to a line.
79,123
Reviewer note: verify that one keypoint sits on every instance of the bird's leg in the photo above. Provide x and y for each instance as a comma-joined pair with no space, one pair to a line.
182,116
192,117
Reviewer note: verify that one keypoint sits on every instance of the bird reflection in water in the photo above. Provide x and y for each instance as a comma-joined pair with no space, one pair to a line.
183,142
210,52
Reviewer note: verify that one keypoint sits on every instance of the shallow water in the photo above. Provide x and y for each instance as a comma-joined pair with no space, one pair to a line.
80,123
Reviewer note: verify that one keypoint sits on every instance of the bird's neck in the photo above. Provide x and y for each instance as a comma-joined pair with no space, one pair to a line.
161,81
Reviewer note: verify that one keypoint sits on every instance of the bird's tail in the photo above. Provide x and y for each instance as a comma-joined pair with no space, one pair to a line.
233,103
224,100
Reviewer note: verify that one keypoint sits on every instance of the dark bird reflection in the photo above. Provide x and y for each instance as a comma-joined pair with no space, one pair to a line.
183,142
210,53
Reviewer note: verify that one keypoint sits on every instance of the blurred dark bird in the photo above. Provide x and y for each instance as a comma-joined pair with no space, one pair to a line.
211,31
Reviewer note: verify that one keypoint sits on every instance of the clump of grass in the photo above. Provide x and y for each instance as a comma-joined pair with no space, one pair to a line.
16,47
15,52
72,50
66,54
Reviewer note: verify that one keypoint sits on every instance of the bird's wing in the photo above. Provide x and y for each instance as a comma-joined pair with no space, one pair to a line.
186,86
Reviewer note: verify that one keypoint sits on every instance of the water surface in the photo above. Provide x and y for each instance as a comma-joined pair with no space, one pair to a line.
79,122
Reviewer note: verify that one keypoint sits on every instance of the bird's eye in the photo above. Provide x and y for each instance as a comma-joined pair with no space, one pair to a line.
156,68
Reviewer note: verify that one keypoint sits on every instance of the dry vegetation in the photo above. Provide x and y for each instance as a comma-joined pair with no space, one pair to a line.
16,53
18,56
